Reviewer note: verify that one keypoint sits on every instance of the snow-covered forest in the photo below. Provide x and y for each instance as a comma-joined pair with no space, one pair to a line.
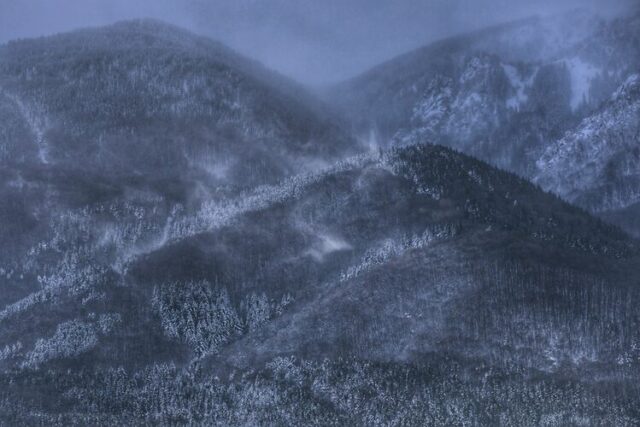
190,238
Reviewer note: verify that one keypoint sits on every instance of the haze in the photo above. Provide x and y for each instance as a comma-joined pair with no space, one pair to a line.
315,42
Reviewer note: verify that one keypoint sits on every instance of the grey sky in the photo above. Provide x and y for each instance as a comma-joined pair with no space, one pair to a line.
314,41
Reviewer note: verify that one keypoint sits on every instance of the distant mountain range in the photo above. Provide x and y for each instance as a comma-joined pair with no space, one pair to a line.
507,95
191,239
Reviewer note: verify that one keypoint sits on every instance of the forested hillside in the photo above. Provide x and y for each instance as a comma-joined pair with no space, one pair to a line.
191,239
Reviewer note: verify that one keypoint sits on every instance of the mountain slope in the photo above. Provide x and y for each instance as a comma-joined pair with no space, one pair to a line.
138,115
597,165
270,307
506,94
142,97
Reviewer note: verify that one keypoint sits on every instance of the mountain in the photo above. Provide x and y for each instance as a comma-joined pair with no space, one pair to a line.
597,165
507,94
140,111
412,286
186,241
145,98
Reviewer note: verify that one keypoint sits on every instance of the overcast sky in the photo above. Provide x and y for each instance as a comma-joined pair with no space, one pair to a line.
314,41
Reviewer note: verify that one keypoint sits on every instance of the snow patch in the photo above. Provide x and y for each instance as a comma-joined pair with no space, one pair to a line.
582,75
476,67
432,108
392,248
